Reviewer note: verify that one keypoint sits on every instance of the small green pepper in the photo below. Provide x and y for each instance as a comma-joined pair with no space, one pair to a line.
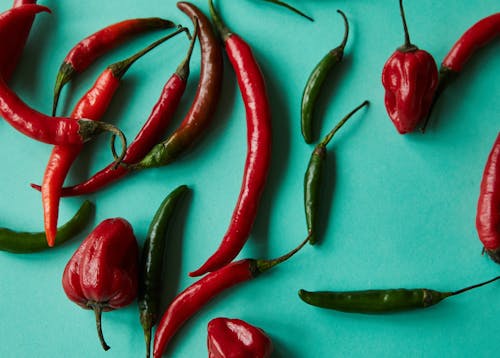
27,242
152,263
316,80
312,178
380,301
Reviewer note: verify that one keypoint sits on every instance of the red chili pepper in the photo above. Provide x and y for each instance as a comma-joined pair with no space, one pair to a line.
197,295
488,206
477,36
15,25
13,45
85,52
410,79
148,136
102,273
92,105
236,338
258,116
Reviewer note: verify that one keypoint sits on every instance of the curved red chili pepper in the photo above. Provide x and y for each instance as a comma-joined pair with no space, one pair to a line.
410,79
258,117
85,52
197,295
477,36
14,44
488,206
15,25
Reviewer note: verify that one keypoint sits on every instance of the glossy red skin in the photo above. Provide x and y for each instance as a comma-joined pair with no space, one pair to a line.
477,36
83,54
92,105
104,268
258,118
235,338
15,43
410,79
15,25
148,136
488,207
193,298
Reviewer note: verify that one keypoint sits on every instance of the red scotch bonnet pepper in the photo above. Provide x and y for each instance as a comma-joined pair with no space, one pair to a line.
236,338
410,79
102,274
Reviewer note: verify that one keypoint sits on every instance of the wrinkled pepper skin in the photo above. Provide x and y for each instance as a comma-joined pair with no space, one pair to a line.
102,274
488,206
410,80
234,338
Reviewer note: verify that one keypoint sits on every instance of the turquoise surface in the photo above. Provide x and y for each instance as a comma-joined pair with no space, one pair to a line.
399,211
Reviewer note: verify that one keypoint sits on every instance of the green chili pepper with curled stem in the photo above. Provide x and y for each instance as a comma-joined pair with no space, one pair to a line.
381,301
27,242
316,80
312,178
152,263
290,7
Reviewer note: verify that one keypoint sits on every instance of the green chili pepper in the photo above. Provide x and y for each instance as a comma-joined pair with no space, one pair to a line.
290,7
312,178
381,301
152,263
316,80
27,242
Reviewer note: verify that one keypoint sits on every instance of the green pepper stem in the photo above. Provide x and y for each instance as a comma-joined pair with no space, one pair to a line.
474,286
120,68
346,32
221,27
339,125
97,308
183,69
290,7
264,265
405,26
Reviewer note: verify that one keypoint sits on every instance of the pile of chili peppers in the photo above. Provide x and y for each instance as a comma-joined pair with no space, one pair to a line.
105,272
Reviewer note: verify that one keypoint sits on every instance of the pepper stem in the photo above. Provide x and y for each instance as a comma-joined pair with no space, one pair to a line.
97,308
290,7
346,32
339,125
183,69
116,132
405,26
474,286
221,27
121,67
264,265
65,74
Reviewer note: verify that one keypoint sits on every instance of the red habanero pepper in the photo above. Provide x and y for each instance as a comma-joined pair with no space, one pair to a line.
197,295
148,136
236,338
410,79
488,206
85,52
92,105
16,41
258,117
205,101
102,273
15,25
477,36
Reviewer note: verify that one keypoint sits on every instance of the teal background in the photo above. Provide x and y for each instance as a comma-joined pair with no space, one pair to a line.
399,211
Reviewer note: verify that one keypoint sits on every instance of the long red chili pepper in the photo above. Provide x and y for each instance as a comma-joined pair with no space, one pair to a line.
197,295
15,42
15,25
258,117
85,52
92,105
488,206
148,136
477,36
